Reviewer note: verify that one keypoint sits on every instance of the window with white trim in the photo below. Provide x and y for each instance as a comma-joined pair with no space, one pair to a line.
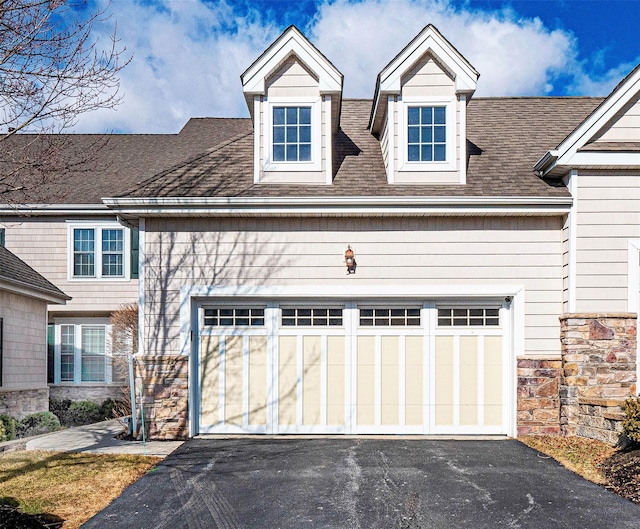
234,317
426,134
469,317
311,317
99,251
292,130
390,317
427,138
291,134
81,353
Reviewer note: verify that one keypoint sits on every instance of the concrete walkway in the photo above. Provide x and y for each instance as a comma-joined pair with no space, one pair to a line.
99,438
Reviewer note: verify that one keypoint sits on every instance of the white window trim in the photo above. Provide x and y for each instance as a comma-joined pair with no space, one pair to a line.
98,227
316,133
77,359
450,164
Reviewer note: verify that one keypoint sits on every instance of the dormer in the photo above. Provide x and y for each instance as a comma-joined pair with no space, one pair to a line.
419,111
294,95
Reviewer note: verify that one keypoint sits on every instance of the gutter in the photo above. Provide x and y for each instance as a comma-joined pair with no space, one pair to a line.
545,164
54,209
338,206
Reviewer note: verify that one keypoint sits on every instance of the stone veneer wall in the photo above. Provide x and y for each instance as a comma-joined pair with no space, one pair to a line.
599,372
97,393
19,403
538,396
164,383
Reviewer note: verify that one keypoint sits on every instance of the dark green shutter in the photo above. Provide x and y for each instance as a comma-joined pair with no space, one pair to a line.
1,236
135,253
51,340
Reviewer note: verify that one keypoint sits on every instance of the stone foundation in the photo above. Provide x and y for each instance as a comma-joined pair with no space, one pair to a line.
18,403
538,398
96,394
599,372
164,384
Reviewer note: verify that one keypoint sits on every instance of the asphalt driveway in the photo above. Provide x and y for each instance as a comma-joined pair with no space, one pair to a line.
263,483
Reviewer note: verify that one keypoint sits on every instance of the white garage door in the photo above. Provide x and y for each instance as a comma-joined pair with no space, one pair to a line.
349,367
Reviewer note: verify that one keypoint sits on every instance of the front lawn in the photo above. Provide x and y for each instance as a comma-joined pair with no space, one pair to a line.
71,487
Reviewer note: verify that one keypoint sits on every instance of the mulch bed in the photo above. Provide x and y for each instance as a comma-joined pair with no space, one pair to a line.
12,518
622,471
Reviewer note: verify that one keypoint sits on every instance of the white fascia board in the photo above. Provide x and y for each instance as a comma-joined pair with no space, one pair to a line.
54,209
341,206
292,43
590,126
436,292
602,159
465,78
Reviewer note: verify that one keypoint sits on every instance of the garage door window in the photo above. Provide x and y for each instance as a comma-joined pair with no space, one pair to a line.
311,317
234,317
390,317
468,317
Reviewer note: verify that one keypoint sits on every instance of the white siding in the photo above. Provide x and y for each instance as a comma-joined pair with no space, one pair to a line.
398,251
42,244
608,217
625,126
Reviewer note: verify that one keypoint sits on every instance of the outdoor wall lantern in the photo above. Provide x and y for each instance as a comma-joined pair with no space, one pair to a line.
350,260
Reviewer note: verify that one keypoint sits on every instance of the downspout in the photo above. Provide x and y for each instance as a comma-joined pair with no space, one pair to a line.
133,425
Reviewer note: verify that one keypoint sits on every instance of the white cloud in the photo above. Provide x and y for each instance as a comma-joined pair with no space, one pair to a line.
188,55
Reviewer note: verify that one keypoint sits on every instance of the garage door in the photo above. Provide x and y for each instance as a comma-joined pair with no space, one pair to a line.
350,367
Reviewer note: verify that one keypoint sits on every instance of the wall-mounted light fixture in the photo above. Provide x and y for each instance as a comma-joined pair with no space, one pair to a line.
350,260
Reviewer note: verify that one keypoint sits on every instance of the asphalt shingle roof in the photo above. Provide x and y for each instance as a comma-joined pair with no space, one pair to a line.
14,270
505,138
213,157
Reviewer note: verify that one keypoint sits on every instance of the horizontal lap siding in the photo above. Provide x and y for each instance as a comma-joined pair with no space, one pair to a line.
427,251
42,244
608,217
625,126
24,357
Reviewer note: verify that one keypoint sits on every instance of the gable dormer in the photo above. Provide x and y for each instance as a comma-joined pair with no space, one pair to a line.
419,112
609,138
294,96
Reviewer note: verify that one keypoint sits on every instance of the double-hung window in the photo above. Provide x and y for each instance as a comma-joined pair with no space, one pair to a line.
80,353
426,134
98,252
291,134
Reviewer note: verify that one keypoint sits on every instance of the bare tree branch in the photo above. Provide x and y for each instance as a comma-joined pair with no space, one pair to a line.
52,70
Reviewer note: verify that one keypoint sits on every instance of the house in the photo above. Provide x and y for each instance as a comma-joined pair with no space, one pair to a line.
424,262
24,296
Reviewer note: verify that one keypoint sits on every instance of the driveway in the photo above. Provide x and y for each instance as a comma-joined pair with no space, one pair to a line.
261,483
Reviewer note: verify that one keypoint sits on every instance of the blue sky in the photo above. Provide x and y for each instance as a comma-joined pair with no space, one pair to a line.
188,54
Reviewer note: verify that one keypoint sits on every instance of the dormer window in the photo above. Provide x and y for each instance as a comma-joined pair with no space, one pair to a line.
291,134
427,134
427,139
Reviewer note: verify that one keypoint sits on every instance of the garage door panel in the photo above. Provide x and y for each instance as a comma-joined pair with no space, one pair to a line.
335,386
287,380
311,384
258,380
209,380
233,380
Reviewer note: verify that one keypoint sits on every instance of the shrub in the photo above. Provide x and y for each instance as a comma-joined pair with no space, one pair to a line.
83,412
631,422
38,423
106,410
9,427
60,408
3,436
